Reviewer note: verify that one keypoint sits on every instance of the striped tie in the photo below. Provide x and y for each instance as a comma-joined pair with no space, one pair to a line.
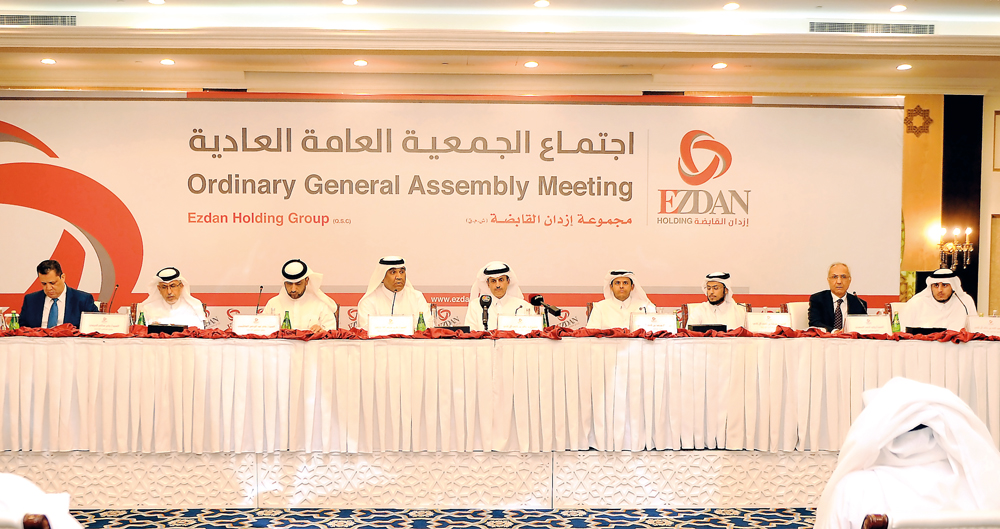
838,316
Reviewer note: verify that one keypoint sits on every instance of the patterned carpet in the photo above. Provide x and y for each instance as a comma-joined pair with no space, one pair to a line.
449,518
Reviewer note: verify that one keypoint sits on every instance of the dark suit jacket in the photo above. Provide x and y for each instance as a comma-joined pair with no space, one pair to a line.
76,303
821,308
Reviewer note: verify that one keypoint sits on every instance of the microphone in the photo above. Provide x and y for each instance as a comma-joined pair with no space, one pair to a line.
115,291
538,301
485,301
863,302
261,291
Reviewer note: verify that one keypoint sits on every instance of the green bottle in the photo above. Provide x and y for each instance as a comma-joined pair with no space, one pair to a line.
545,318
287,322
895,322
15,323
142,318
421,326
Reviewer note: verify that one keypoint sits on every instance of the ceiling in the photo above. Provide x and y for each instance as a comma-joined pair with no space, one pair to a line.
482,46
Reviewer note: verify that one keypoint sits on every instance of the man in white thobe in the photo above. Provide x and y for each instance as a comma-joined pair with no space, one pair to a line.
622,297
720,308
19,496
943,304
170,301
499,282
390,293
308,307
914,449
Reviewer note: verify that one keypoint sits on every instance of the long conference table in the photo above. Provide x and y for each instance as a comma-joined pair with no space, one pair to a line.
197,395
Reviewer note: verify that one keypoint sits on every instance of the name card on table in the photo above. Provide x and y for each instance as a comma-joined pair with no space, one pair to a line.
261,324
767,322
988,325
386,325
868,324
653,322
104,323
519,324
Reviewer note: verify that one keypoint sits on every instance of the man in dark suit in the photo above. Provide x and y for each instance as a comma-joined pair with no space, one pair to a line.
824,306
56,303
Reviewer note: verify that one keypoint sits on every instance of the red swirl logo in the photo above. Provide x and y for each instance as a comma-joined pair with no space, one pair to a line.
689,170
564,315
232,312
89,206
444,314
352,314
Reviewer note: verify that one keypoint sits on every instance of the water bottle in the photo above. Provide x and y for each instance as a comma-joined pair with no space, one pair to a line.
142,318
421,325
15,322
895,322
287,322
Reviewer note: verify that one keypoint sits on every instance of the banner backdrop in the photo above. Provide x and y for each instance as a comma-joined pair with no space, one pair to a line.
563,191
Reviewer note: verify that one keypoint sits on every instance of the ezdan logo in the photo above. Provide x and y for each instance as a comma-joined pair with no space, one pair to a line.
566,321
721,162
90,207
702,201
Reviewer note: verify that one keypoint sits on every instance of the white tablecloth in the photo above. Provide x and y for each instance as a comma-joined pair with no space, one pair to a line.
526,395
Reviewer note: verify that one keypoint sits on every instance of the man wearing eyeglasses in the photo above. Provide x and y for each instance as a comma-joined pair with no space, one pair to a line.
828,309
56,303
171,303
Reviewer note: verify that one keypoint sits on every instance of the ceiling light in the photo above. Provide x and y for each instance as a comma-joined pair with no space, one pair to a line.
542,3
903,67
157,2
167,62
719,65
48,61
731,6
531,64
350,2
897,8
360,62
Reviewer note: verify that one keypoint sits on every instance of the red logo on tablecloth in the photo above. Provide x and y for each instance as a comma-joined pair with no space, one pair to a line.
686,165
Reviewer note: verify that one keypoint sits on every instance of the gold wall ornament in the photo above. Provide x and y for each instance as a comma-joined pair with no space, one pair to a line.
925,114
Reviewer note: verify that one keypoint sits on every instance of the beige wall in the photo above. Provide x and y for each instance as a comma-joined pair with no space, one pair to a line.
990,206
922,185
